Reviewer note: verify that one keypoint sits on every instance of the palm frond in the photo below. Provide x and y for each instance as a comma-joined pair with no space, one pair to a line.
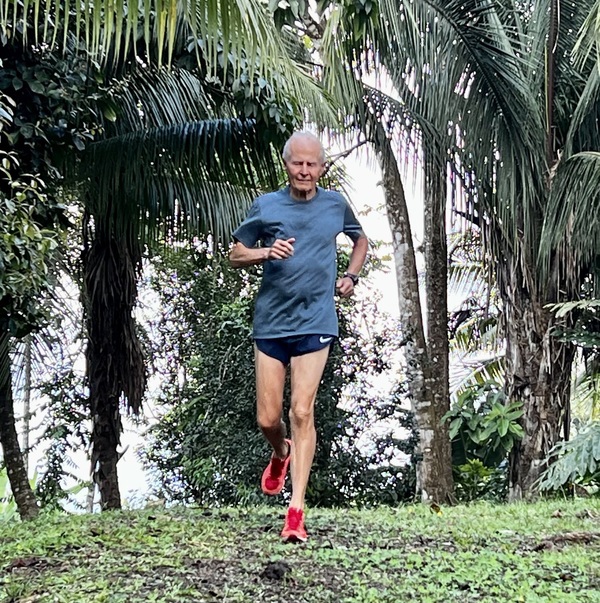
589,35
470,370
584,128
572,221
152,98
466,56
199,174
467,280
236,34
586,393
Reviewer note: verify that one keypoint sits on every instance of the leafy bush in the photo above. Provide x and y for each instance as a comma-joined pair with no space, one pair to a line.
574,462
483,428
207,447
475,481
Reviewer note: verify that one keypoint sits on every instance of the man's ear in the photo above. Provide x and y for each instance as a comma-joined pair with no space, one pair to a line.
324,168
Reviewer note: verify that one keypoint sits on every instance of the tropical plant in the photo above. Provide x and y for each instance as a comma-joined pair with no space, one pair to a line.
475,481
574,462
515,134
483,425
484,428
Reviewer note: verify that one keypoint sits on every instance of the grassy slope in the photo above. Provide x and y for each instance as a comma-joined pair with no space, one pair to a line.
483,553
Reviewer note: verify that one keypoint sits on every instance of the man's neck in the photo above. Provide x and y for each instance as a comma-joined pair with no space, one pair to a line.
302,195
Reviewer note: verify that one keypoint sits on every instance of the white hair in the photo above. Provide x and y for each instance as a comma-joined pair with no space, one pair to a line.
303,135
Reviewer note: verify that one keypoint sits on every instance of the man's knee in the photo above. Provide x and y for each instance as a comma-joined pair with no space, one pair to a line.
268,421
302,416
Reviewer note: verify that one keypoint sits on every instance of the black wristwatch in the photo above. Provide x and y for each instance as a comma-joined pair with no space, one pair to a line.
352,277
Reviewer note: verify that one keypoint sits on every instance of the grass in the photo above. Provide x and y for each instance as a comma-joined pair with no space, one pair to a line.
543,552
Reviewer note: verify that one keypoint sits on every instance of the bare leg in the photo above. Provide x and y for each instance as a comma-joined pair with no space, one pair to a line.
270,381
306,373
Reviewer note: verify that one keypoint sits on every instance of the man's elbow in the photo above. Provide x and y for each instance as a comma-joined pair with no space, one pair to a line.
362,243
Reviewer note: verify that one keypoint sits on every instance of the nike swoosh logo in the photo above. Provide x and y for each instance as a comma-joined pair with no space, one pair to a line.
325,339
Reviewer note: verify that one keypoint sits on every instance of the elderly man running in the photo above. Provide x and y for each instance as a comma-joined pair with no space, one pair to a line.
295,321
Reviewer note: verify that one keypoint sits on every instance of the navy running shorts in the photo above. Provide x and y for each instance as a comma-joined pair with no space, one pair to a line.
283,348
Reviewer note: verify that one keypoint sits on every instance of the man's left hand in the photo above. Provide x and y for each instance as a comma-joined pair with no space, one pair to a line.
344,286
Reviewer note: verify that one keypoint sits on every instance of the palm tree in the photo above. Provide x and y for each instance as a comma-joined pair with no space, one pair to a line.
490,93
514,101
171,156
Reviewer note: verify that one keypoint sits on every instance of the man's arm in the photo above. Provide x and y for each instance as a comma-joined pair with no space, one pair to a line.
345,285
241,256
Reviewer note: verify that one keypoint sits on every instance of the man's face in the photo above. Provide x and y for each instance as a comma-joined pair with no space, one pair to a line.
304,166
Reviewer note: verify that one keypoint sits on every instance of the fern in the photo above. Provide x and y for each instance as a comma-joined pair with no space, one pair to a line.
576,461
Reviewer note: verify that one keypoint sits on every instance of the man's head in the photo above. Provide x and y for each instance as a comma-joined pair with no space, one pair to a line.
304,159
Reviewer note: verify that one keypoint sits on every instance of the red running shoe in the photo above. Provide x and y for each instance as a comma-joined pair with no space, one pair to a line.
293,529
273,476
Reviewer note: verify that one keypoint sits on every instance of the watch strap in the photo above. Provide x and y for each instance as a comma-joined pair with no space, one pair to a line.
352,277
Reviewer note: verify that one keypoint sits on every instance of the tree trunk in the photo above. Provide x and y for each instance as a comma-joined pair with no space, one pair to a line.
538,373
13,458
436,287
106,430
115,362
435,461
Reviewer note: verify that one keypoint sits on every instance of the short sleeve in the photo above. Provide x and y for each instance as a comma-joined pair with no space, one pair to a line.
352,227
249,232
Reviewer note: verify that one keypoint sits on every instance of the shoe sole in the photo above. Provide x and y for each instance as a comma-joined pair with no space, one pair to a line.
294,538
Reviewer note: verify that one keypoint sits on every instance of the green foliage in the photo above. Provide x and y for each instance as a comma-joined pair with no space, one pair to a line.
584,318
26,250
207,447
482,425
474,481
546,552
60,102
483,428
65,431
27,246
576,461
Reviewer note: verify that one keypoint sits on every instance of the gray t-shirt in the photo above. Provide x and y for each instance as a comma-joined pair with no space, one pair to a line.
296,294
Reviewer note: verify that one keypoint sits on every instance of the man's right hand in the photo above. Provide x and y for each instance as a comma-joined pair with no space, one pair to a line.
281,249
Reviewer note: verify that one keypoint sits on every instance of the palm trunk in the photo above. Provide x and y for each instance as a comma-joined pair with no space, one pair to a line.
106,421
435,461
436,287
13,458
538,373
